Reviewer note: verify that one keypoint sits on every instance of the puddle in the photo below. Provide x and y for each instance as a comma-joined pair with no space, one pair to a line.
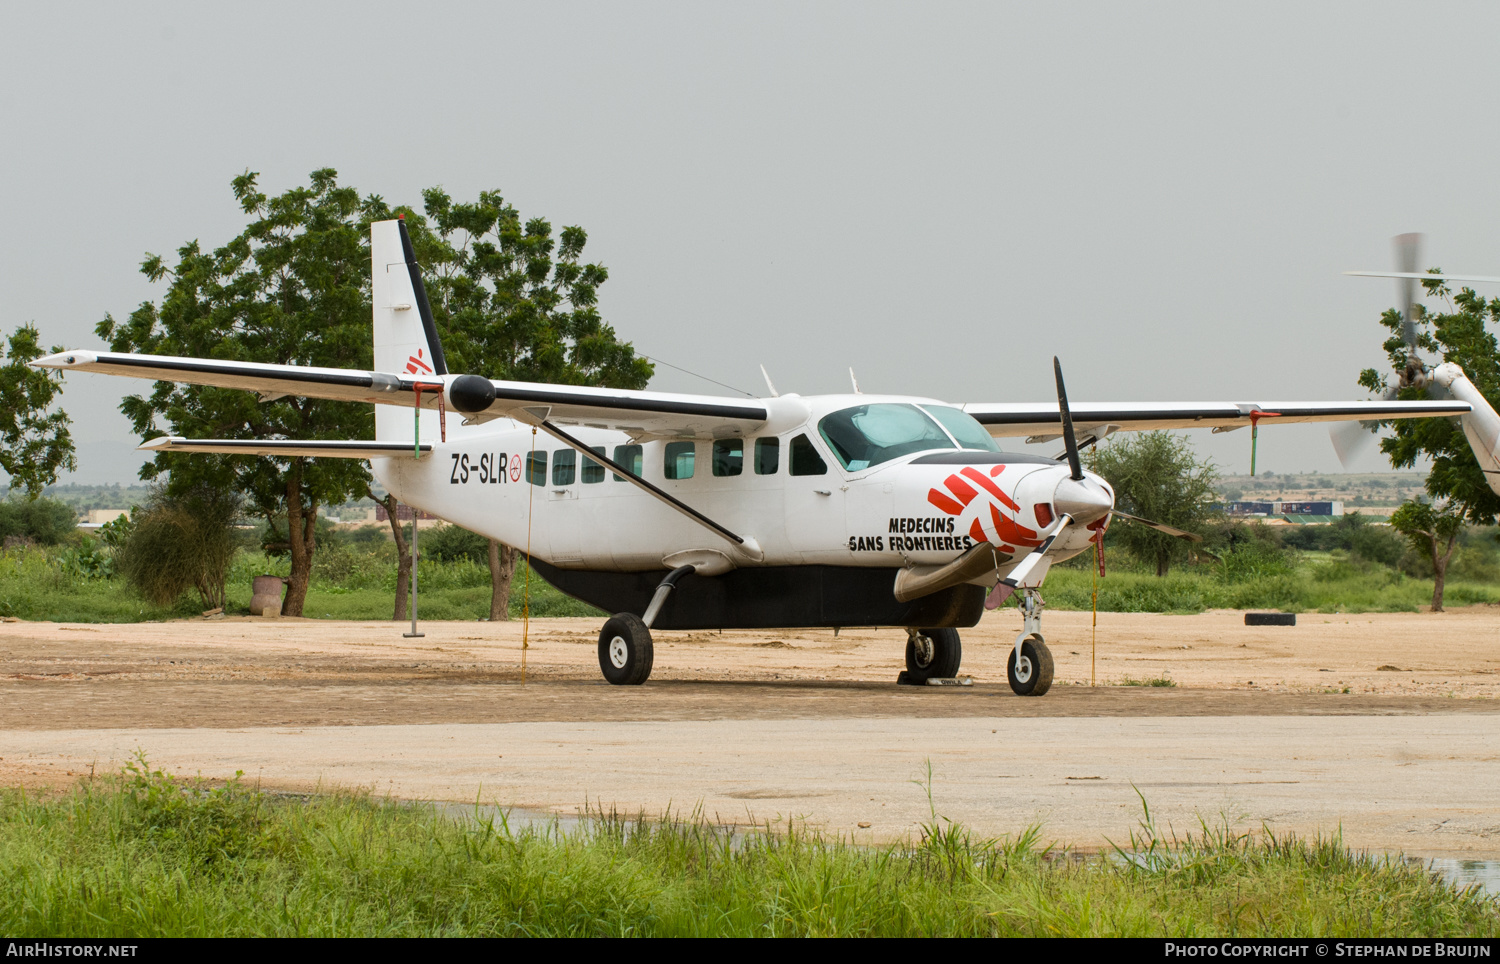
1466,873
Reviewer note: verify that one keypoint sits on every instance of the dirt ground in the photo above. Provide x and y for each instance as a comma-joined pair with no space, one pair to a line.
1383,724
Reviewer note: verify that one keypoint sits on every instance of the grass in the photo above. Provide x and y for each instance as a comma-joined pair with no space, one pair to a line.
1159,681
347,583
142,854
1303,590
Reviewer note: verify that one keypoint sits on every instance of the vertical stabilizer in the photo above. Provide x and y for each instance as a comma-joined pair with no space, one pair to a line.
406,340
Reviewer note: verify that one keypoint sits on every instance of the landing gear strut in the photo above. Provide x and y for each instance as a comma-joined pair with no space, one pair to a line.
625,650
1030,664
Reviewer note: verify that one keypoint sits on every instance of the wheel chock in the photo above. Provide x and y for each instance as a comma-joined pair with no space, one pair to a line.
904,679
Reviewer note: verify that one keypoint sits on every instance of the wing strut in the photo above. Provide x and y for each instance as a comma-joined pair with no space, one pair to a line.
641,483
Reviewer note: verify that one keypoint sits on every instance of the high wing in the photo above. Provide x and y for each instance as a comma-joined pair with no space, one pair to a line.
1041,422
639,413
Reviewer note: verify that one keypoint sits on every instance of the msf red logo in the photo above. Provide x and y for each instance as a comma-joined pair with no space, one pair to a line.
416,366
964,487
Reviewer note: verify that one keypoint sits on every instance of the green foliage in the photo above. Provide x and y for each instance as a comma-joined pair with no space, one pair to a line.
292,288
1318,585
198,824
87,559
450,543
41,520
147,855
1426,525
348,582
1461,336
116,532
512,301
180,541
34,442
1157,476
1256,559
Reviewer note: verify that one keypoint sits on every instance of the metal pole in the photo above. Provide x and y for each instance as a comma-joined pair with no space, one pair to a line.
414,557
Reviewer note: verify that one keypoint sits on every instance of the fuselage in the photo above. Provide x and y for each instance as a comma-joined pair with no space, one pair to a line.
798,490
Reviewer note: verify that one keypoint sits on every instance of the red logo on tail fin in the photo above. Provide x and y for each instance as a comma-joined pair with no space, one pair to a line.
415,362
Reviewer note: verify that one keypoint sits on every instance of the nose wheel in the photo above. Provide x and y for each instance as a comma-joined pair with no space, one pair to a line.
1030,668
1030,665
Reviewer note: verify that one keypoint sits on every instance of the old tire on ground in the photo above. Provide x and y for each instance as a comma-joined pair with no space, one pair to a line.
1270,619
625,653
939,660
1033,675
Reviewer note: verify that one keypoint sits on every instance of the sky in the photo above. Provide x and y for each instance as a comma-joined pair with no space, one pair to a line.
941,196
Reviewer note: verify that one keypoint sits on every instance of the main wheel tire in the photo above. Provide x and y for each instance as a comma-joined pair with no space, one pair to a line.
625,653
1033,676
939,660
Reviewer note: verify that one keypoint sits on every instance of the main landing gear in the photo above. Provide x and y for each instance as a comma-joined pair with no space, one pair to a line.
1030,664
625,651
932,654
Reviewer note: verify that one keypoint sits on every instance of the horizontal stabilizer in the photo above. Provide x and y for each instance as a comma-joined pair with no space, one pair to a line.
1423,276
284,448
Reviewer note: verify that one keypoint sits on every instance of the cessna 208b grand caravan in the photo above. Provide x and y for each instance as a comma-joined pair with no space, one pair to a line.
682,511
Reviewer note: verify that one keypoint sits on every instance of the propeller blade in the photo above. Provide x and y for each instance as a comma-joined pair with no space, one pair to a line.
1179,533
1351,439
1407,252
1023,569
1075,465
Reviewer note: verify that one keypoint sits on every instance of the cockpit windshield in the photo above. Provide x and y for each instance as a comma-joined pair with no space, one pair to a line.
868,435
964,428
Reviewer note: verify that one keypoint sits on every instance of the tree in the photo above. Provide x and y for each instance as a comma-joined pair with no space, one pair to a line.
34,442
1456,484
512,302
292,288
1432,529
1156,475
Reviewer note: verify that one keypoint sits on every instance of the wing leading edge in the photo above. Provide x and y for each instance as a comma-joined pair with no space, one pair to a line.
1042,420
641,413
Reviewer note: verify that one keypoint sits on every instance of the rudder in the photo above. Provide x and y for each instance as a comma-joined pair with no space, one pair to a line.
405,336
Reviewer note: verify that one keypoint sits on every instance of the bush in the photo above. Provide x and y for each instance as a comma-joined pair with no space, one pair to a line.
46,521
450,543
182,541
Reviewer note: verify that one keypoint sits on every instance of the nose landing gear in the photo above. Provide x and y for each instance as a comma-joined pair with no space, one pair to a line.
1030,664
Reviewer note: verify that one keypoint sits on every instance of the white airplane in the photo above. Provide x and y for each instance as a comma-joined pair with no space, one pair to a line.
678,511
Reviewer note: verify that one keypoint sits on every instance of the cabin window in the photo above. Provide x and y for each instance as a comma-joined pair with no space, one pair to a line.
536,468
630,457
868,435
729,456
677,462
564,465
592,471
805,458
767,456
964,428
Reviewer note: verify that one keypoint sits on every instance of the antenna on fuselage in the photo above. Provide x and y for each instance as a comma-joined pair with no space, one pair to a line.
772,388
855,382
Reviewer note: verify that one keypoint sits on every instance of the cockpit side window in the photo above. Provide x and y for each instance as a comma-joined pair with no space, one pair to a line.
805,458
868,435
